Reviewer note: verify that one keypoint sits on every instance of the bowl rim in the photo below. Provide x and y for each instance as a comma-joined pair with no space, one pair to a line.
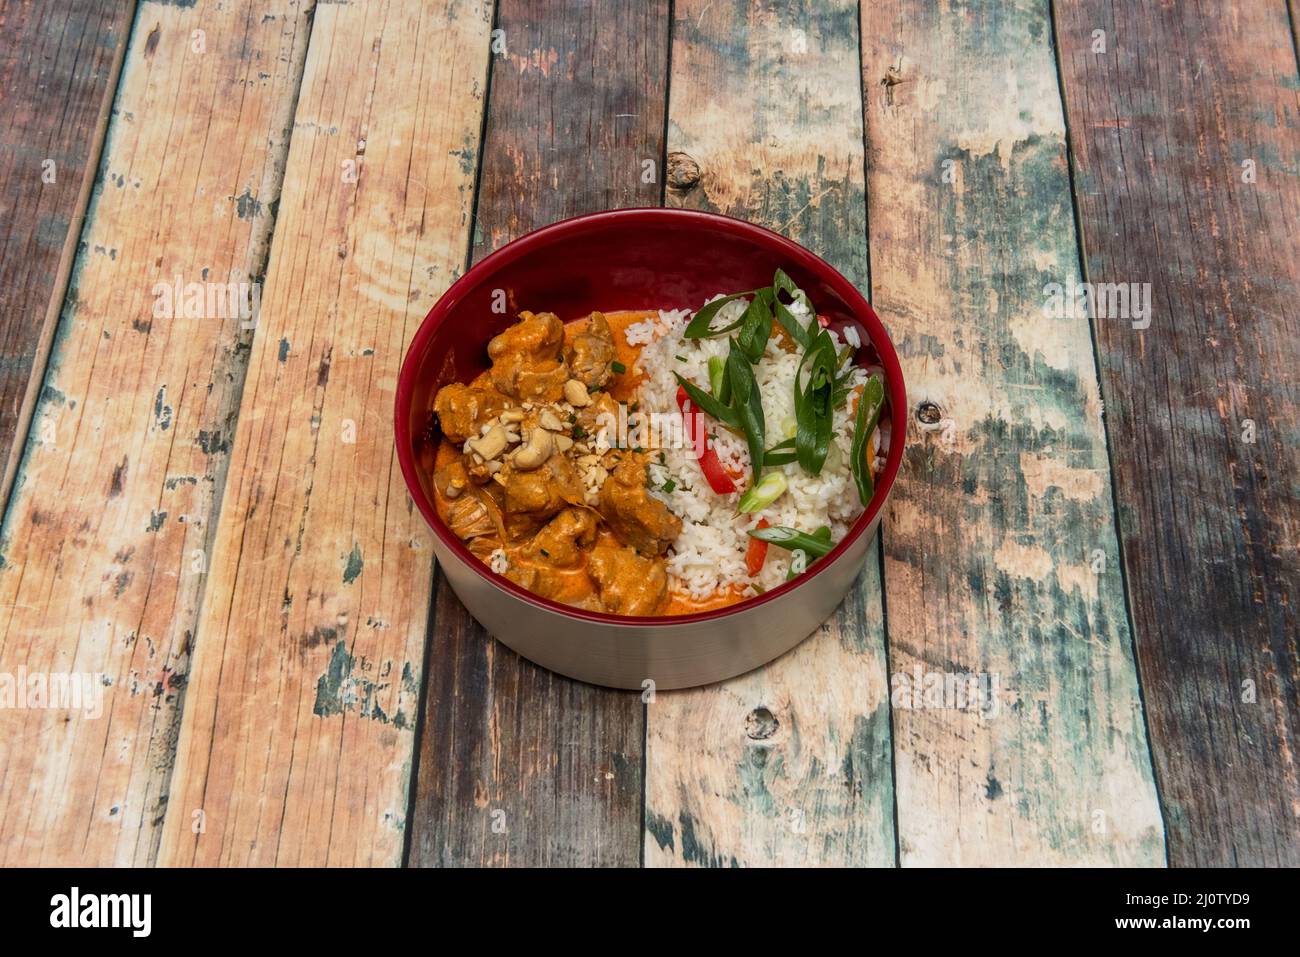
858,305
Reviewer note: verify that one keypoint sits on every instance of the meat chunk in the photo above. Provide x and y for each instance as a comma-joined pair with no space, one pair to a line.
535,495
527,361
601,414
462,409
629,584
592,352
472,514
635,516
561,542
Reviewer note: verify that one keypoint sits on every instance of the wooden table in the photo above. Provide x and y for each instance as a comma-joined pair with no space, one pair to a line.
1099,516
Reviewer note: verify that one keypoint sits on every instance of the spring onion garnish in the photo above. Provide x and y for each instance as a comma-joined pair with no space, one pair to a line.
717,377
815,545
756,326
618,367
764,492
748,405
698,327
708,404
864,424
782,283
782,453
814,411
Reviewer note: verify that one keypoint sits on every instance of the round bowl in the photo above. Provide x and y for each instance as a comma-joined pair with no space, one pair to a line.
632,259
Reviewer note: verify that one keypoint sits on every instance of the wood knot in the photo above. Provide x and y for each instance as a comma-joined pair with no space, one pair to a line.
927,413
683,171
761,724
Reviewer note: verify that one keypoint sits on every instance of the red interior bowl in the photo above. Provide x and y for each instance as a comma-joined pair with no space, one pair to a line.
622,259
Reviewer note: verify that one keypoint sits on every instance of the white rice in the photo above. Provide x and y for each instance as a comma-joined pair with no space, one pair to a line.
709,555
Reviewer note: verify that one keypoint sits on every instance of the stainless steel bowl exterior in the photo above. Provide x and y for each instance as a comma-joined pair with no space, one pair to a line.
672,655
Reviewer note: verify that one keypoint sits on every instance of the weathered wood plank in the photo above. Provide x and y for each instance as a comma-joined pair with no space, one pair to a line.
790,764
59,64
1000,549
519,766
298,734
1186,135
104,539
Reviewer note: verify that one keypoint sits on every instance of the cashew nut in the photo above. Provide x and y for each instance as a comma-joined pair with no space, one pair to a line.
491,444
534,452
563,443
512,416
575,393
455,486
550,421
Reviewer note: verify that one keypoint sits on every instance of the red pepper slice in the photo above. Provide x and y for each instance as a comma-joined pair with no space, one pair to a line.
756,554
697,431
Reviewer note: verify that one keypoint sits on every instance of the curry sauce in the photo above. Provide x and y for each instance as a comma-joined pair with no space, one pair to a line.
524,479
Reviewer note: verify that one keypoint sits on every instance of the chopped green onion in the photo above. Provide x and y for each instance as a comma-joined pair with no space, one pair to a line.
698,327
815,545
813,407
708,404
775,459
618,367
747,405
764,492
864,424
756,326
802,335
668,486
717,376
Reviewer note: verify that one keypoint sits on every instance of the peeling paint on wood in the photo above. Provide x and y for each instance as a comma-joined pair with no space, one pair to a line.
297,738
1000,547
95,582
789,765
1186,139
59,65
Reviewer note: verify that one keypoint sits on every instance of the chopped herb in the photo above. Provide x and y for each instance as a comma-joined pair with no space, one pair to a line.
815,545
579,433
669,486
698,327
717,377
634,406
618,367
864,424
545,553
573,417
680,358
763,493
637,449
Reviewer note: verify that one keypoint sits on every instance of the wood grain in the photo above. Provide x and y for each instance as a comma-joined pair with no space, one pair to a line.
298,735
59,64
1186,138
1000,549
519,766
789,765
105,538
